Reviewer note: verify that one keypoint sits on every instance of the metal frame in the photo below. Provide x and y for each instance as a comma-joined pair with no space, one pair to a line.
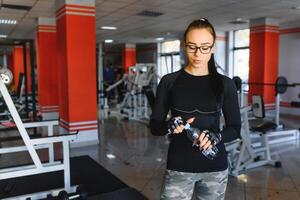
240,152
135,104
31,145
243,154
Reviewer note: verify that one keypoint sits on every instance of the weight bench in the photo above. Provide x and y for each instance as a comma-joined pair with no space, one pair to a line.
31,145
261,133
244,154
240,152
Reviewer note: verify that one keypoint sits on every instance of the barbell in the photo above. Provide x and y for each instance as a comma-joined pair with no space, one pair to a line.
281,84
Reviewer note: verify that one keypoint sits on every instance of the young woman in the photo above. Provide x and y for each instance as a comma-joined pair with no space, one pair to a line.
196,94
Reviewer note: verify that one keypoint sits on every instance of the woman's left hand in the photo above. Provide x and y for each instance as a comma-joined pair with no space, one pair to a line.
204,142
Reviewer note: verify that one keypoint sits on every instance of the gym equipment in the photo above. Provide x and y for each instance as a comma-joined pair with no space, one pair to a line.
258,106
6,76
281,85
138,99
18,99
135,103
274,133
31,145
80,194
23,104
259,112
148,91
253,149
243,155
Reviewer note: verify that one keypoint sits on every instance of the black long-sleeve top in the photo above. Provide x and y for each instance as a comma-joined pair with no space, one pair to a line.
189,96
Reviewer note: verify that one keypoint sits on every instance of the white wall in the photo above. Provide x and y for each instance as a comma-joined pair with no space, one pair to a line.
289,62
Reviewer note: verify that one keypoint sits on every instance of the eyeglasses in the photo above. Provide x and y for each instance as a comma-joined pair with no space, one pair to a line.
203,49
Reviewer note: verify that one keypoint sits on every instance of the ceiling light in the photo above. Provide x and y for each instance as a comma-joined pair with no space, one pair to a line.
238,21
8,21
109,41
110,156
109,28
160,39
3,36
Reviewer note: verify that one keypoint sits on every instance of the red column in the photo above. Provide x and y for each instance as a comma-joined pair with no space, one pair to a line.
10,62
264,48
47,69
18,64
76,55
129,56
28,68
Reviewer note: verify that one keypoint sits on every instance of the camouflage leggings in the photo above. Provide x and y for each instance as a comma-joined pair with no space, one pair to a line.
199,186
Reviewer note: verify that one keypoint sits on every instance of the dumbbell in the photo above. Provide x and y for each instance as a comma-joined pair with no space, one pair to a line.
80,194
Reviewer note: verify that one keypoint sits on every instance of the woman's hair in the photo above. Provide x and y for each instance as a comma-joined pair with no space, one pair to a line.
215,77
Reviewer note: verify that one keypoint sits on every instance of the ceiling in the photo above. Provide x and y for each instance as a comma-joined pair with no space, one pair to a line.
141,29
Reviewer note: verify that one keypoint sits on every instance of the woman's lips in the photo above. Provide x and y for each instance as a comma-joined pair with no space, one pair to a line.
197,61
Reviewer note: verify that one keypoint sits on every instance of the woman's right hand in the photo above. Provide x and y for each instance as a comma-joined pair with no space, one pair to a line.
176,125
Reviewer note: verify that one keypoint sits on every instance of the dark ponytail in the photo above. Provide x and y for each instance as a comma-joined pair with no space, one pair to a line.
215,77
216,80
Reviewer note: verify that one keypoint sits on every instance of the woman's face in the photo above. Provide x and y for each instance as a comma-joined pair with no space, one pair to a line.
199,47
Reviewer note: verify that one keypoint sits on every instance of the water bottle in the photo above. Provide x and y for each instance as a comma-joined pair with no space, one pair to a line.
193,134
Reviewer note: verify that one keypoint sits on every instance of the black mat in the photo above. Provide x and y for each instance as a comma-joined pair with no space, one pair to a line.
84,171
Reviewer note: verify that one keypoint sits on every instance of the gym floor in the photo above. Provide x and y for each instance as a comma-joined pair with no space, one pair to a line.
139,160
131,153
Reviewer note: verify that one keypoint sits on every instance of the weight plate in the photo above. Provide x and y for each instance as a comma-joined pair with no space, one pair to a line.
281,85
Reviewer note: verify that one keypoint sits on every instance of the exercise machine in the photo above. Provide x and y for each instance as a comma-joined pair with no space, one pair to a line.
253,148
17,98
243,154
279,132
138,98
280,86
31,145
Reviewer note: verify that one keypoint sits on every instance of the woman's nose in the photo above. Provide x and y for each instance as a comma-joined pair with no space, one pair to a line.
198,53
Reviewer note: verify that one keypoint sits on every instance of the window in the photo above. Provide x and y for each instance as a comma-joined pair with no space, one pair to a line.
241,54
169,57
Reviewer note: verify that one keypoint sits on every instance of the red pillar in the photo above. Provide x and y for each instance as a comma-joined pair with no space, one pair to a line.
47,68
129,56
18,65
264,48
76,56
28,68
28,64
